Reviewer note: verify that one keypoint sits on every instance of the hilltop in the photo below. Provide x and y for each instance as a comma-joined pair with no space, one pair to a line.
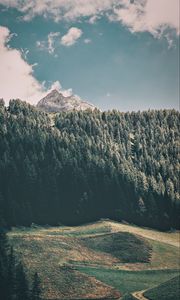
56,102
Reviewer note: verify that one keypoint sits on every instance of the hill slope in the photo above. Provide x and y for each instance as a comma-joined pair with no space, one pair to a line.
64,257
169,290
88,165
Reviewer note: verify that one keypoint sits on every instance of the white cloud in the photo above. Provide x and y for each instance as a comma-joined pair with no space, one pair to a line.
148,15
170,41
87,41
93,19
71,37
138,15
67,93
57,86
16,75
48,45
25,53
60,9
51,39
41,45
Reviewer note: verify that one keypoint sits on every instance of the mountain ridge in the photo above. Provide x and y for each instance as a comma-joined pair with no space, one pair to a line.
55,101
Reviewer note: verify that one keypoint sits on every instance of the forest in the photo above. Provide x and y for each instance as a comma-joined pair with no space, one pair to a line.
79,166
14,284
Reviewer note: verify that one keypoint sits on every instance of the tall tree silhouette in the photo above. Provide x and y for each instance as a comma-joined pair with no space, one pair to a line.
36,288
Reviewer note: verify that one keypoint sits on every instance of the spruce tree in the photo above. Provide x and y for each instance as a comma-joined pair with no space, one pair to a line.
22,289
36,289
11,275
3,265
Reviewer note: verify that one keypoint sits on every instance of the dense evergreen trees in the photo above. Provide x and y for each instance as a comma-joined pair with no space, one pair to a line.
13,281
88,165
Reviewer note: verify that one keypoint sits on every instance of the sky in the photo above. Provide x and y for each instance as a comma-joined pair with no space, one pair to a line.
116,54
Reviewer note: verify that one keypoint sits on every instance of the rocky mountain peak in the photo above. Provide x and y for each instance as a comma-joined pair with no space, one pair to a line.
53,93
57,102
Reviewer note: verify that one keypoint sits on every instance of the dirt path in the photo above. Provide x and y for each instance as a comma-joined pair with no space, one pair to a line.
139,295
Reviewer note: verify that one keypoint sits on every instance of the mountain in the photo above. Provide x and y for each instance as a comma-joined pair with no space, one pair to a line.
56,102
89,165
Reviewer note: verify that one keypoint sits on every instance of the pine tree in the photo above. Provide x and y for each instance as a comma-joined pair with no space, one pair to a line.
22,289
3,265
36,289
11,275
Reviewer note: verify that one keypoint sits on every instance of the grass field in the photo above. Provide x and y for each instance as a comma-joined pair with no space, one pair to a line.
94,261
169,290
129,281
125,246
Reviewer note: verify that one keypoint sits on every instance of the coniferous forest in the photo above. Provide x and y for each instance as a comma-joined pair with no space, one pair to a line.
76,167
14,283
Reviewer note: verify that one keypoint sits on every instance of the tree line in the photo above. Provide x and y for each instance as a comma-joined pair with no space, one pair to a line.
14,284
79,166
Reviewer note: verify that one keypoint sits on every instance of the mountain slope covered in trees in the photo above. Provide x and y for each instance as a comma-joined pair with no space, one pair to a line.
88,165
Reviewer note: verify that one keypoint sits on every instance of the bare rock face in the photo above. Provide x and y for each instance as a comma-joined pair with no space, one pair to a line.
56,102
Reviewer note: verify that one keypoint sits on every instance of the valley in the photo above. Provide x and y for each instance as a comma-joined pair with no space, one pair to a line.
89,150
74,167
102,260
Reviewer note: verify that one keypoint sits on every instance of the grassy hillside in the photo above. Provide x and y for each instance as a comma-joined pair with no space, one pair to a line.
125,246
93,255
169,290
129,281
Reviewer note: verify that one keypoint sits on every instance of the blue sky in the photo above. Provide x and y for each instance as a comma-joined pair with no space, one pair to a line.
106,54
